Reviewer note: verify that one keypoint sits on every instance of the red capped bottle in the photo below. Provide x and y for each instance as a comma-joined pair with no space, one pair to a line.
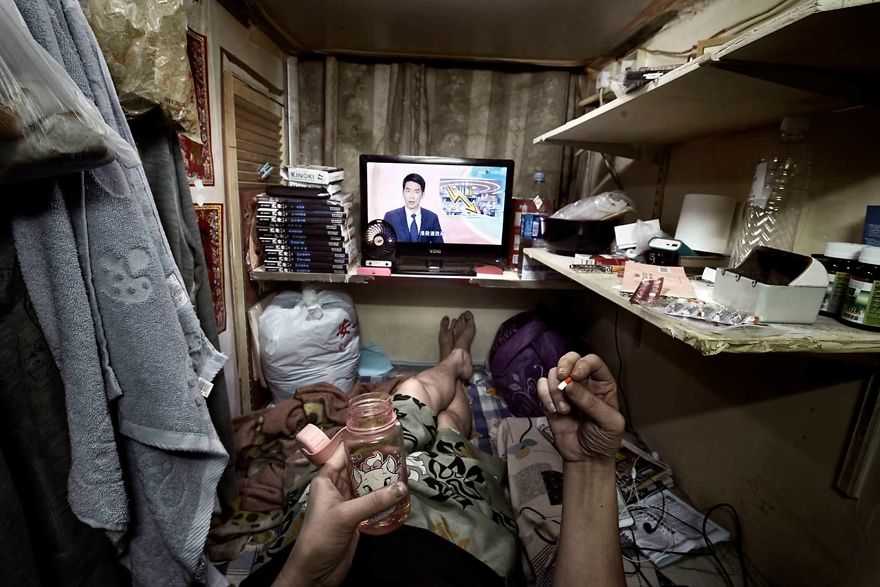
376,459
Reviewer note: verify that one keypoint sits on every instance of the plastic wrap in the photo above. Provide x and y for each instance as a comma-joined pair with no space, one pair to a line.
644,233
47,126
602,207
144,44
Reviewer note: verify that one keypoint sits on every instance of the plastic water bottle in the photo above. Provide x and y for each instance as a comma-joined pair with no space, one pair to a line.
373,439
532,223
779,191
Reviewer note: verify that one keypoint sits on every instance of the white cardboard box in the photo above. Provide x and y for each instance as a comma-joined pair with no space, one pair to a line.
798,302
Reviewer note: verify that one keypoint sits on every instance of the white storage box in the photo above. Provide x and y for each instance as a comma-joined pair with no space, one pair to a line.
775,286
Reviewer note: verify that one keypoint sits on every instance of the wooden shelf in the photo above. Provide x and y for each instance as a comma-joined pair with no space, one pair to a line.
508,280
820,56
825,336
261,274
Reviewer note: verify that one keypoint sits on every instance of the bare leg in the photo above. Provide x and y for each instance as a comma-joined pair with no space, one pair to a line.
446,337
442,387
436,386
457,414
464,330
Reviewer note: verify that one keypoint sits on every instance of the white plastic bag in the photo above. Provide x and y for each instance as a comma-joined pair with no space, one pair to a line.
307,338
47,126
644,232
604,206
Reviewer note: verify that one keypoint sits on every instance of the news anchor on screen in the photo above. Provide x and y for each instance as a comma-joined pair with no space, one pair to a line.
412,223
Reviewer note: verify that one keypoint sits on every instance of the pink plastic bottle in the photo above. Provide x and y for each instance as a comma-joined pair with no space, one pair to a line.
374,442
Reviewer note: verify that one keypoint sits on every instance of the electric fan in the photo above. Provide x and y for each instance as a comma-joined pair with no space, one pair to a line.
380,240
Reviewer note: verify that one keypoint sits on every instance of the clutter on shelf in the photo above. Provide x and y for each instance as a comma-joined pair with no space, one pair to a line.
308,225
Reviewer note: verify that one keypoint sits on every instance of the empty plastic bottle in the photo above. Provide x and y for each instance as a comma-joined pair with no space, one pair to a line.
779,191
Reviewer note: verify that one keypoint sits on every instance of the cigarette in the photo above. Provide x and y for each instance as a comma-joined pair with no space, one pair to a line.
564,383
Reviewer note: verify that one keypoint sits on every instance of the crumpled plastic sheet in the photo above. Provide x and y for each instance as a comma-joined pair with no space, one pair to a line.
600,207
47,126
144,44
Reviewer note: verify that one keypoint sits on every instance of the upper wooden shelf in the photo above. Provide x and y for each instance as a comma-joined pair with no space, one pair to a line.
825,336
508,280
820,56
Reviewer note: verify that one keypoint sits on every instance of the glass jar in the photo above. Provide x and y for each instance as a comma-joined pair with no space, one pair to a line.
861,308
374,444
839,259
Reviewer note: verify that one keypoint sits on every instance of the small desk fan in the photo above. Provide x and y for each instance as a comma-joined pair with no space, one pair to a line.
380,241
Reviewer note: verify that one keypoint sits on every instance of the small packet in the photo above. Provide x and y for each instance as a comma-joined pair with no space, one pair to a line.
710,313
595,268
648,292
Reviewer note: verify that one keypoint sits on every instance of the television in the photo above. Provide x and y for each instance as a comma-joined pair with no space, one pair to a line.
442,209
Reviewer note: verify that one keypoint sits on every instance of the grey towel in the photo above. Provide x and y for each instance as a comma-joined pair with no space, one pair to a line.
43,225
145,336
34,439
160,152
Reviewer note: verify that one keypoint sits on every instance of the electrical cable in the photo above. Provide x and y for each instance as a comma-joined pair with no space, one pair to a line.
624,401
615,177
735,26
709,544
638,564
739,541
646,527
761,15
668,514
711,548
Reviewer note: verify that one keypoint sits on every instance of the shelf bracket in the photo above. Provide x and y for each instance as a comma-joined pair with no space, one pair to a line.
864,440
660,188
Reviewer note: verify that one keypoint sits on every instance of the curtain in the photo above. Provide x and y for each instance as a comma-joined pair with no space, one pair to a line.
342,108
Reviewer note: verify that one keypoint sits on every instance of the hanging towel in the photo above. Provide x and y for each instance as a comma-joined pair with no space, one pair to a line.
151,352
35,442
165,169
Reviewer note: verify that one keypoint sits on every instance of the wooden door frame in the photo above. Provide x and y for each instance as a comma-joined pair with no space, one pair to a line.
234,240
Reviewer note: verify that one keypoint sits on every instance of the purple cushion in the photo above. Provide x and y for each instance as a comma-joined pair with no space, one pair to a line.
524,350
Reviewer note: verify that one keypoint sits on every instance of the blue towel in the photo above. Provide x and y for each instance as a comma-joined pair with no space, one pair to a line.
148,352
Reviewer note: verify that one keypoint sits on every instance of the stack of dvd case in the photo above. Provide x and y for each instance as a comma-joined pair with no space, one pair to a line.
308,226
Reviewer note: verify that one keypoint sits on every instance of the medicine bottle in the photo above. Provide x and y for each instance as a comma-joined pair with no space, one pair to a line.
374,443
861,306
839,259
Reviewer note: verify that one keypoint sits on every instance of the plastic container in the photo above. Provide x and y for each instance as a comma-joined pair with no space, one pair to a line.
567,237
839,259
861,307
779,189
520,206
374,444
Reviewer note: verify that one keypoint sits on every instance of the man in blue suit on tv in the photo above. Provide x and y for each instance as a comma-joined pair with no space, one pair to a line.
412,223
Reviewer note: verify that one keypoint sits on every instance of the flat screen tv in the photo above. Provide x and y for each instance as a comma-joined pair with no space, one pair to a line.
440,207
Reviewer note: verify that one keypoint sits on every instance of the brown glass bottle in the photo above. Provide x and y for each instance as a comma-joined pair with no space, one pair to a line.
374,444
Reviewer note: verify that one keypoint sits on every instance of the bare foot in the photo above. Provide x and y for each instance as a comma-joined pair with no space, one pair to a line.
445,337
464,330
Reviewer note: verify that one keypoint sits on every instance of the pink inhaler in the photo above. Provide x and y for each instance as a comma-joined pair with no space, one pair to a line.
316,445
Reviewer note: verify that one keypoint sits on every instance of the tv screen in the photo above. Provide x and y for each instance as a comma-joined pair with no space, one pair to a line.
440,205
